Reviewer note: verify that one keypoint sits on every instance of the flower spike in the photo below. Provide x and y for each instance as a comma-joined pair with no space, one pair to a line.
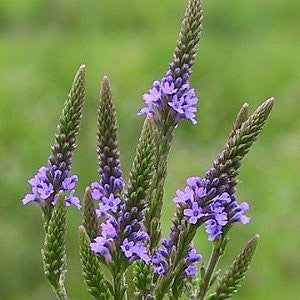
110,172
48,181
171,100
187,44
231,281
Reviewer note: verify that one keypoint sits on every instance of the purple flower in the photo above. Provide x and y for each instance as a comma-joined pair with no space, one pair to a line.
127,248
108,230
194,213
96,191
43,188
176,97
100,246
154,94
140,236
71,199
193,256
184,197
161,259
223,198
177,104
118,184
69,183
209,200
141,252
168,86
239,215
221,218
213,229
110,204
190,271
159,269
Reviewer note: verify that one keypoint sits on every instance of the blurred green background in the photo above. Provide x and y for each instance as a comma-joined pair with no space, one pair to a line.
249,51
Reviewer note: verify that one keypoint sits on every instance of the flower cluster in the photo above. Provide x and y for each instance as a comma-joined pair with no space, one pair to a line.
100,191
206,202
46,184
161,259
111,180
176,96
119,228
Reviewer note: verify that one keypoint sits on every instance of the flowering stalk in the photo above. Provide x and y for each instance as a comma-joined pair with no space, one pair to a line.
53,189
106,191
121,238
211,200
111,181
172,100
138,188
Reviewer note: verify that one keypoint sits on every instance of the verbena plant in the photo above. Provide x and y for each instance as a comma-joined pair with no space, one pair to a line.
121,250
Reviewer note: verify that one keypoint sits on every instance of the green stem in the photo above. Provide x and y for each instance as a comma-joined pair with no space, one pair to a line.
213,261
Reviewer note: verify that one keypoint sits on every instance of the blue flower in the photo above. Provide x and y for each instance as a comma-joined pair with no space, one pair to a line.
46,184
194,213
178,98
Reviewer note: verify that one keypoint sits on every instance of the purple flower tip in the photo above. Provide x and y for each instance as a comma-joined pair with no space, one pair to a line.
42,188
179,98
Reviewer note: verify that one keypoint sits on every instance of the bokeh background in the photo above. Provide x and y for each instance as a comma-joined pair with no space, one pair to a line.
249,51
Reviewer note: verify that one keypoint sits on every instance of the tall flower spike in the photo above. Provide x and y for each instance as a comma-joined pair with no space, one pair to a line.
238,145
48,181
231,281
110,172
138,188
130,237
69,123
187,44
221,179
171,100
